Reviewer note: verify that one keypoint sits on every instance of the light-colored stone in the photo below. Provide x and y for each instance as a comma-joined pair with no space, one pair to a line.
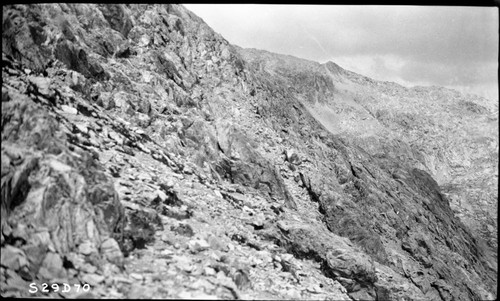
198,245
209,271
82,127
69,110
136,276
12,258
116,137
87,248
52,266
111,250
42,84
92,279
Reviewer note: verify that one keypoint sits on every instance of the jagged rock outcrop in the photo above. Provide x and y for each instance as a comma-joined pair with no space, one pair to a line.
146,156
58,206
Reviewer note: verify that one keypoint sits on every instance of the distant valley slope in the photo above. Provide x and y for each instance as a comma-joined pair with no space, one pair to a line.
452,136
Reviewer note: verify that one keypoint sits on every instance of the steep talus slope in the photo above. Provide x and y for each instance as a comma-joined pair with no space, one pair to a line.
144,155
451,136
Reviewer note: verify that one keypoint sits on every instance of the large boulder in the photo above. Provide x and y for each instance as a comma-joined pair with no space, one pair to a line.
241,163
234,157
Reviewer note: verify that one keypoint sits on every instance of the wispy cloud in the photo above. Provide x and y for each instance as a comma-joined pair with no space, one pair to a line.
312,37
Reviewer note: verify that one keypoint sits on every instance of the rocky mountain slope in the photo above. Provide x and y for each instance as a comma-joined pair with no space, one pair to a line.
146,157
451,136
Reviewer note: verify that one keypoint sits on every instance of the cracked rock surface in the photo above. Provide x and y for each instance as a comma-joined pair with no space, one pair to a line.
144,155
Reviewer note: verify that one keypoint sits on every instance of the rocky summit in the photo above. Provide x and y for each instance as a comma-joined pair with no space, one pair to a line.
144,156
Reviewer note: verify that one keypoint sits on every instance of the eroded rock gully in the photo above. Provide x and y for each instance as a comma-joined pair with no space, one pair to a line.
144,155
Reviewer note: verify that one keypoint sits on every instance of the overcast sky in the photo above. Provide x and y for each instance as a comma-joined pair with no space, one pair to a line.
455,47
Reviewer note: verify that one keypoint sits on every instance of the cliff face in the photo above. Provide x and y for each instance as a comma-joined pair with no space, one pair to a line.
145,155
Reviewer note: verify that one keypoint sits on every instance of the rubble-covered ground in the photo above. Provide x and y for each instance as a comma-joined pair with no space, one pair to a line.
143,156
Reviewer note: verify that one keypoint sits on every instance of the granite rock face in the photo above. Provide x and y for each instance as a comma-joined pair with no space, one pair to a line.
146,156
